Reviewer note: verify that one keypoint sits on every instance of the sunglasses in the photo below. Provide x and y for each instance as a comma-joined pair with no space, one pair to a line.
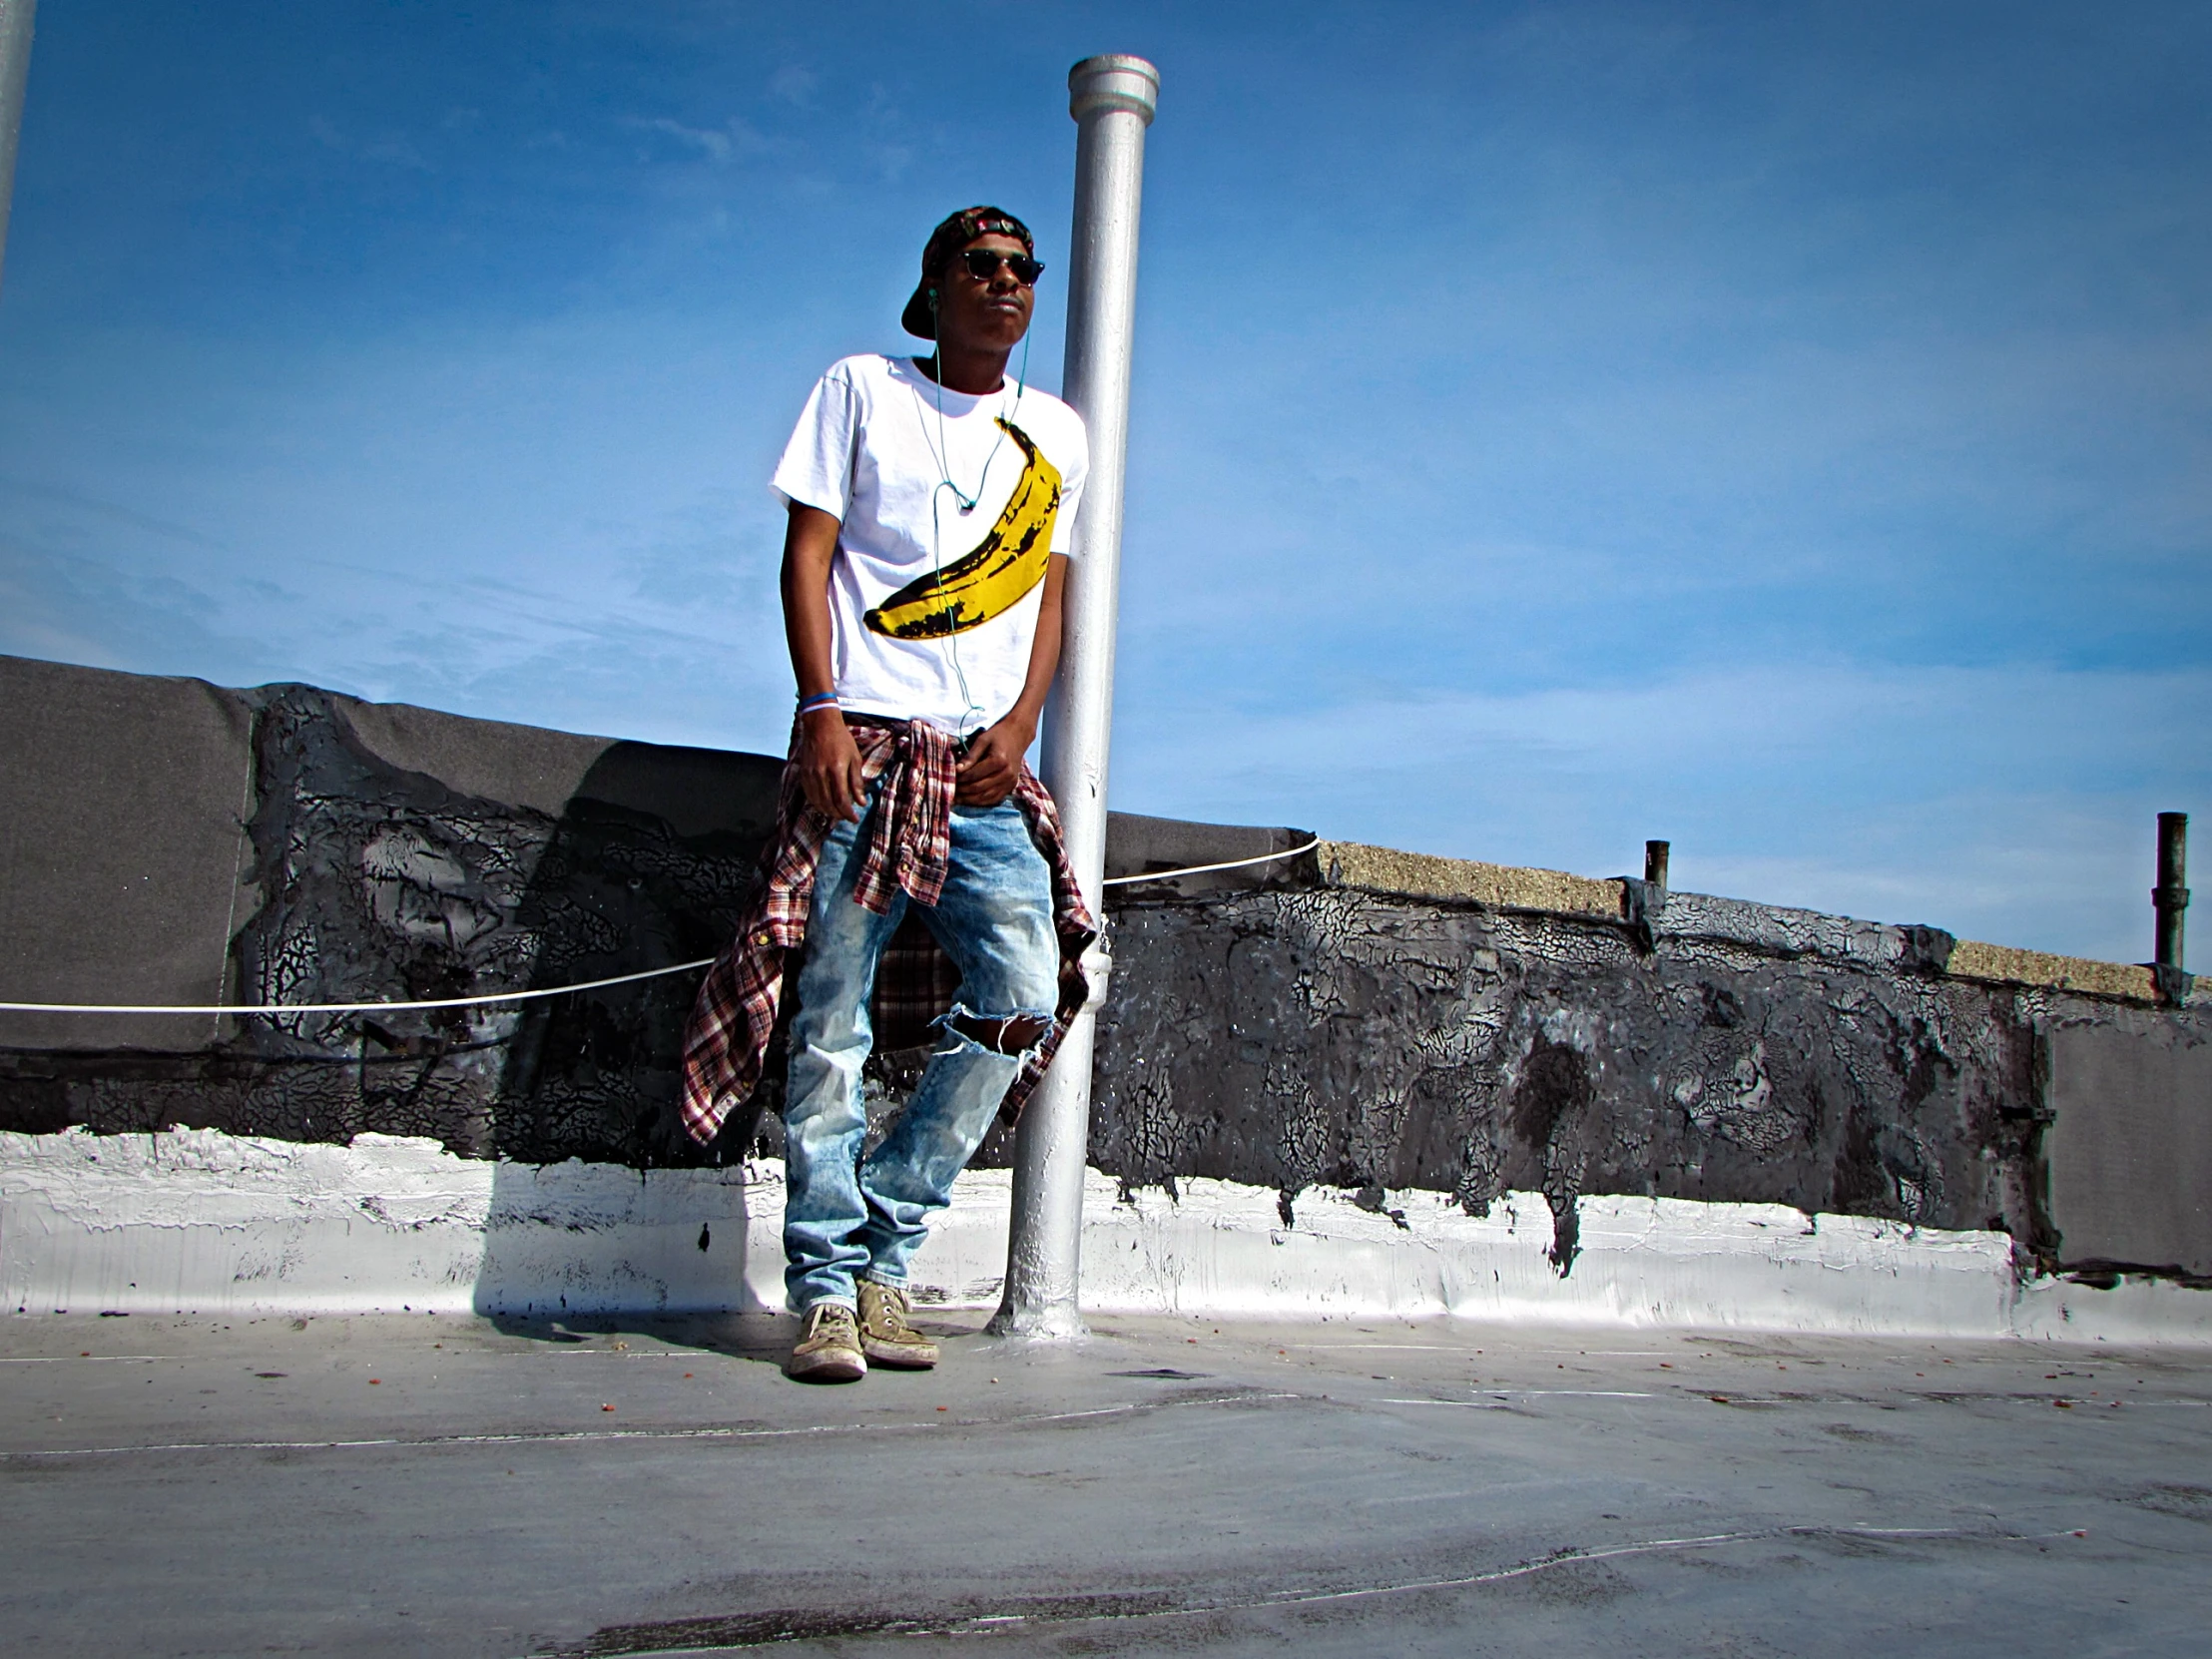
983,263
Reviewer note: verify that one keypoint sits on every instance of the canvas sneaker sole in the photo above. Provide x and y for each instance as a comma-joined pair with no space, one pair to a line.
829,1366
901,1356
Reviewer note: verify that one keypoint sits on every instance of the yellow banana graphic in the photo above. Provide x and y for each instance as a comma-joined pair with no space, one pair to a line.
990,581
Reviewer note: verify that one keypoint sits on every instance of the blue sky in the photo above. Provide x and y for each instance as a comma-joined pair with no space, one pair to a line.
1780,429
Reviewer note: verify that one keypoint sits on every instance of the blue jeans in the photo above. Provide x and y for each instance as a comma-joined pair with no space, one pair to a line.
845,1219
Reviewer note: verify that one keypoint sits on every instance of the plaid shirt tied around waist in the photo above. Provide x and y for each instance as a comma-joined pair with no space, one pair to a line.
909,839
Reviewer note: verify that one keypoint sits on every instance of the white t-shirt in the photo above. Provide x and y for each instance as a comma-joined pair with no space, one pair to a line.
934,609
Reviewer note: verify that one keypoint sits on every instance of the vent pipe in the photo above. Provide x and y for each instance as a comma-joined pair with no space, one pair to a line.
2170,900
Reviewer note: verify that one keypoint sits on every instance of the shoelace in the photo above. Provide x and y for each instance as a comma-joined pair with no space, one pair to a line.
893,1316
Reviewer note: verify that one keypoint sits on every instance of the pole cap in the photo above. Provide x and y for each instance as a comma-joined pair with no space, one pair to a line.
1113,81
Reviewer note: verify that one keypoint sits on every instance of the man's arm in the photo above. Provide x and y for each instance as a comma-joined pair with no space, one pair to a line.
992,765
828,761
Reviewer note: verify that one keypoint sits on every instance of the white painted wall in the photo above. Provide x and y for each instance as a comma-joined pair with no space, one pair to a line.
196,1220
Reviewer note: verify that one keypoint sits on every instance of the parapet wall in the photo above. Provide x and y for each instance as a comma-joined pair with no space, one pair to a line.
1382,1021
1356,1018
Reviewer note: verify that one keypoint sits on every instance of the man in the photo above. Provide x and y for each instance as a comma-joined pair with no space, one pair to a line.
930,503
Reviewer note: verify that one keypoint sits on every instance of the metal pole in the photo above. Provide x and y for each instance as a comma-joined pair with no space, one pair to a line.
2170,898
1112,100
15,70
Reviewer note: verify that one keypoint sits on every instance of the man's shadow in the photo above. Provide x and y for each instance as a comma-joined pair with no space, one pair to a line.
648,866
604,1213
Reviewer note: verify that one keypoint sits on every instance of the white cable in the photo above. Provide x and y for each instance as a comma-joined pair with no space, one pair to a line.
345,1008
526,996
941,453
1203,869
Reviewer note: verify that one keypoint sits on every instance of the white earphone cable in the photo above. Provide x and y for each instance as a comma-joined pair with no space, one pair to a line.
941,453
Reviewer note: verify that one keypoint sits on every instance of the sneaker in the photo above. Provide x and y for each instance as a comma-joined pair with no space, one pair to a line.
885,1337
828,1347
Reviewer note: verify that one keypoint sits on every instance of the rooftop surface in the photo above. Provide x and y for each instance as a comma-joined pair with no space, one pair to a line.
454,1487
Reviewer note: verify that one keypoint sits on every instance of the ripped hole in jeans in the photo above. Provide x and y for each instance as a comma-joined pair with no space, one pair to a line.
1014,1035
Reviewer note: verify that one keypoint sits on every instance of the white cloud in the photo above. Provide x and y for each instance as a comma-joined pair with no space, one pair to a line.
795,84
736,140
393,148
710,142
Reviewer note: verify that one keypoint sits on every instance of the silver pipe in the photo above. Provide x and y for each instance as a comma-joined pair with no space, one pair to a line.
15,70
1112,99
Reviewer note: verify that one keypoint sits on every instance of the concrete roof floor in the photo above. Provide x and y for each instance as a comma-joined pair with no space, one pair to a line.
460,1486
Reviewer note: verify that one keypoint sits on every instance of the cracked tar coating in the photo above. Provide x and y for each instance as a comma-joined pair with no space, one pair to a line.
1378,1042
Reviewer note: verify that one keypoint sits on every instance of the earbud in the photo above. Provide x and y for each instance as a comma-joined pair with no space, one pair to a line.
932,298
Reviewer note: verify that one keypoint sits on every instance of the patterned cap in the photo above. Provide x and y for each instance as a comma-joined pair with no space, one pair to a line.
945,242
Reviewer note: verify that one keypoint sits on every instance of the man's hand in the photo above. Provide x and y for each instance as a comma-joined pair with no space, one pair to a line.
991,766
829,765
